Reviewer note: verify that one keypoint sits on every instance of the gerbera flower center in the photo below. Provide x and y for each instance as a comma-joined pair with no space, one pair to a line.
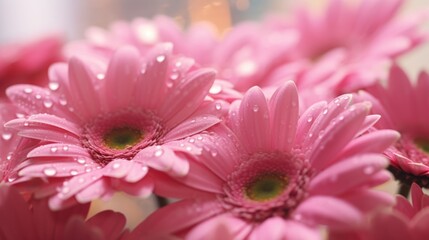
123,137
423,144
266,187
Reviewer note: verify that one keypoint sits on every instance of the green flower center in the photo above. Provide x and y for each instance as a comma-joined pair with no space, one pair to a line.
266,187
423,144
123,137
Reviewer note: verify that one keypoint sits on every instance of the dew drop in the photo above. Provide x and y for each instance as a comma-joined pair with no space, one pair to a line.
116,165
9,157
88,169
214,153
200,138
178,64
325,111
28,90
73,172
174,76
100,76
160,58
255,108
191,140
158,152
188,148
81,160
54,149
6,136
48,103
218,106
11,178
310,119
66,148
26,124
50,171
54,86
81,180
215,89
38,96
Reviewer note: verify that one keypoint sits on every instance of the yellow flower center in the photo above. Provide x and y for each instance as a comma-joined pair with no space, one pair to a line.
266,187
123,137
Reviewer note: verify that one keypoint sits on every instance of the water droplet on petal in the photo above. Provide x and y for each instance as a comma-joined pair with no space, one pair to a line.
28,90
310,119
66,148
158,152
54,86
11,178
215,89
50,171
38,96
48,103
325,111
100,76
174,76
73,172
81,160
255,108
81,180
188,148
160,58
6,136
218,106
54,149
191,140
116,165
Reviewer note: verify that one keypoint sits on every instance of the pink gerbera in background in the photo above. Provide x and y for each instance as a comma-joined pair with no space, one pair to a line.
406,220
356,42
403,107
28,62
277,174
34,220
102,132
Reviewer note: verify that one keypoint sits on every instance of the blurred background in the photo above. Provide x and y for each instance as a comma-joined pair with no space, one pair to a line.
23,20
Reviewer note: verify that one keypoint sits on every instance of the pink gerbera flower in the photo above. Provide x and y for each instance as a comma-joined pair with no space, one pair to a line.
403,107
277,175
407,220
350,43
29,62
34,220
101,132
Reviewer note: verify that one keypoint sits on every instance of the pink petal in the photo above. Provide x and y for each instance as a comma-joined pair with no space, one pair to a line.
82,94
167,186
374,199
49,135
419,227
306,121
416,196
403,206
56,168
110,223
347,174
120,77
223,226
77,229
150,88
337,135
279,228
91,192
373,142
163,159
389,226
324,210
177,217
191,126
15,222
143,188
45,121
323,120
255,125
59,150
186,97
284,116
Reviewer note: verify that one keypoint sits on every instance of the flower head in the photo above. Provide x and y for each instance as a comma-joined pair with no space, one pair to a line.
273,167
102,131
410,158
